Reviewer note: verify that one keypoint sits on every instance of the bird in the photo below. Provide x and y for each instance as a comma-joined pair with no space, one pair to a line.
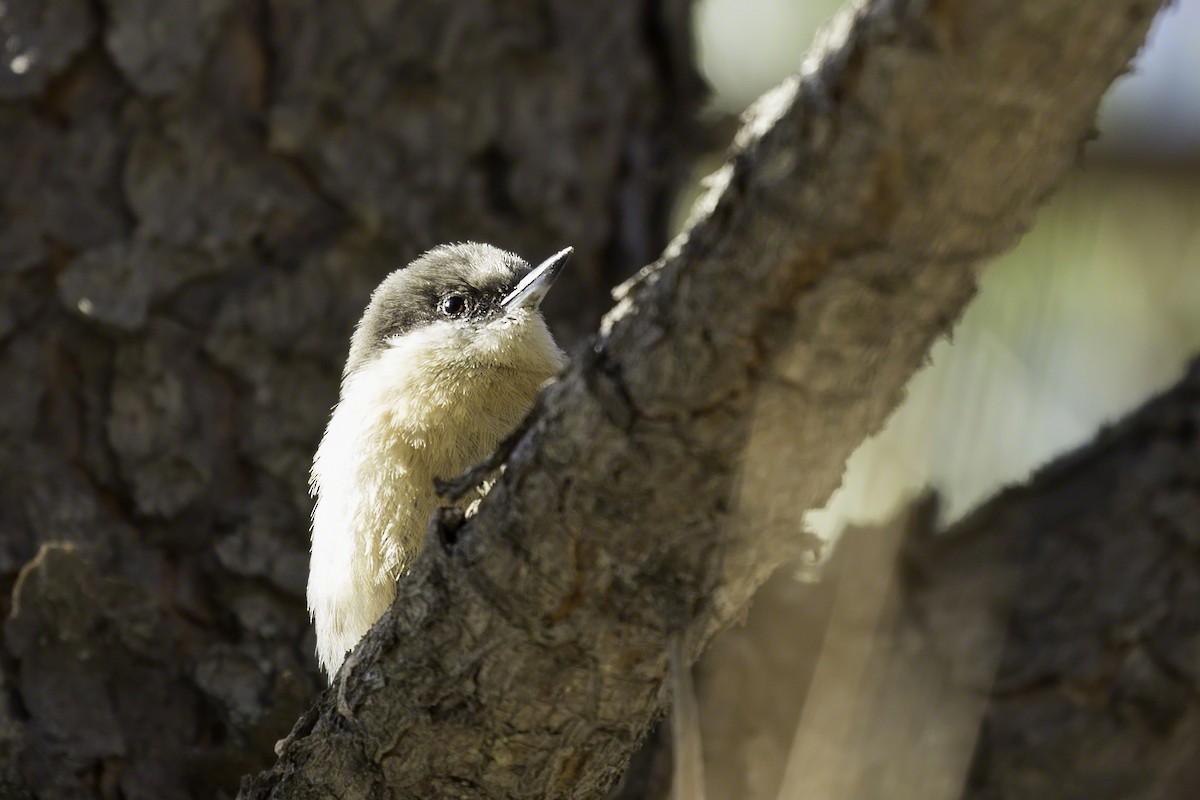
446,361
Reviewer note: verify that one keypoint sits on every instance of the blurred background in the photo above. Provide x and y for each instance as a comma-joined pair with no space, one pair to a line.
1097,309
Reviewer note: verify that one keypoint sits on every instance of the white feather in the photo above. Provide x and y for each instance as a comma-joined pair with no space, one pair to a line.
436,401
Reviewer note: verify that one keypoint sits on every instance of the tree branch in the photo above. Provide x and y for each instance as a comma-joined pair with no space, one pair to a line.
666,472
1044,647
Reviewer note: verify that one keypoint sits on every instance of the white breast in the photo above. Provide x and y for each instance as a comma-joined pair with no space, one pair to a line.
435,402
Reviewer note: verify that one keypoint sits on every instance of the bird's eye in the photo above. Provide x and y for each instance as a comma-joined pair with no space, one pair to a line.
454,305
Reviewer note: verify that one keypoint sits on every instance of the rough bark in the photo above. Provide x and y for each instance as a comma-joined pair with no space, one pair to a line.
196,198
663,476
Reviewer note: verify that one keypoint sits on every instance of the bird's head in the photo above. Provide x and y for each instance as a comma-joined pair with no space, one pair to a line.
459,307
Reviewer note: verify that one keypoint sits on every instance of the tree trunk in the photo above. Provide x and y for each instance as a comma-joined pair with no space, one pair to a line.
198,198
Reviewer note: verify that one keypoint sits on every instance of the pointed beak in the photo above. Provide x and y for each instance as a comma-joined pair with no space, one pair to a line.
536,283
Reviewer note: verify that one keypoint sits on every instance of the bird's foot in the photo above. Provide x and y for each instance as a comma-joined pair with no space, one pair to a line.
455,489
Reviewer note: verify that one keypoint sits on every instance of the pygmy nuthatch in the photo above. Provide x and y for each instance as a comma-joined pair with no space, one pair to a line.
446,361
